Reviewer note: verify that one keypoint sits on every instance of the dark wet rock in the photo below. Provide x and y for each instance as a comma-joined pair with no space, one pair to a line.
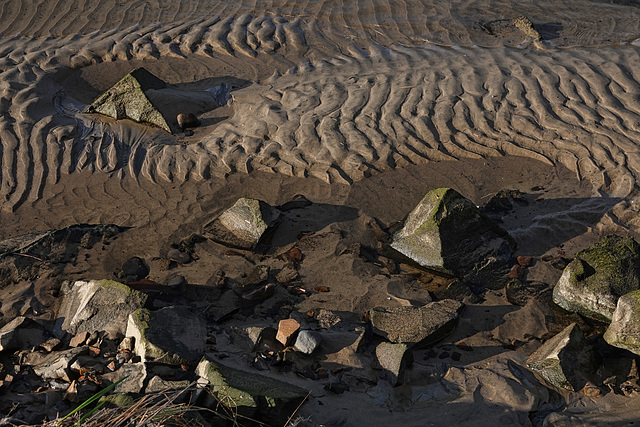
243,225
503,201
173,335
177,282
298,202
127,99
624,330
446,232
187,120
96,305
592,283
520,292
249,393
567,361
21,333
57,365
416,325
307,341
394,359
178,256
134,269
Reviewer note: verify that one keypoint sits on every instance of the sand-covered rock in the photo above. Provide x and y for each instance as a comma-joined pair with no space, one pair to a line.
96,305
416,325
624,330
249,393
173,335
592,283
447,232
567,361
244,224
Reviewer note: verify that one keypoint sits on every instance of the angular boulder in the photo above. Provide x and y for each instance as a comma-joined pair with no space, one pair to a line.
244,224
591,284
394,359
447,232
416,325
173,335
127,99
96,305
566,361
624,330
250,393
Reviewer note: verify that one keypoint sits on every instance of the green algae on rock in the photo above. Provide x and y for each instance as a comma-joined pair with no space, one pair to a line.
127,100
446,232
592,283
624,330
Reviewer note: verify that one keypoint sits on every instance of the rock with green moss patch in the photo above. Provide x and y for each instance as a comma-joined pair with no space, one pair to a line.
244,224
250,393
448,233
173,335
624,330
567,361
592,283
96,305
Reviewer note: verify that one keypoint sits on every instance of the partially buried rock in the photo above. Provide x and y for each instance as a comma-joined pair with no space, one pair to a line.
394,359
134,269
250,393
244,224
416,325
187,120
447,232
174,335
566,361
592,283
624,330
21,333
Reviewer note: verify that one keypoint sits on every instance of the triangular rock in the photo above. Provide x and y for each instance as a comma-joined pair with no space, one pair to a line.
127,99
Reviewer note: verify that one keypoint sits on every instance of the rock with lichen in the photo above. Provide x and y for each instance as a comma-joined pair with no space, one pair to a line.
624,330
592,283
525,25
448,233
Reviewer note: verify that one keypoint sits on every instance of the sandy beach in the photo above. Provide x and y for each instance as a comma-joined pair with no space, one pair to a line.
362,107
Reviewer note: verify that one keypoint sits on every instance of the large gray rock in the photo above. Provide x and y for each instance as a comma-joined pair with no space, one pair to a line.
242,225
566,361
592,283
416,325
624,330
249,393
21,333
394,359
447,232
97,305
175,335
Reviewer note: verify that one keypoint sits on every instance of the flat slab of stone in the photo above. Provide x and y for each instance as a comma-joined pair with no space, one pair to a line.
566,361
250,392
448,233
242,225
416,325
56,365
97,305
591,284
624,330
174,335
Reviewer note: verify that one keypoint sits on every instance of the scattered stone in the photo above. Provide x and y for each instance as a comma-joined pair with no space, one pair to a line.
327,318
177,282
249,393
187,120
322,289
127,344
173,335
294,255
157,385
50,344
180,257
592,283
307,341
21,333
566,361
57,365
134,269
127,99
516,272
394,359
287,275
448,233
96,305
287,330
243,225
416,325
79,340
624,330
524,261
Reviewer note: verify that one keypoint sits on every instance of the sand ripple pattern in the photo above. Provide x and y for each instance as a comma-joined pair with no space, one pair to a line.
339,116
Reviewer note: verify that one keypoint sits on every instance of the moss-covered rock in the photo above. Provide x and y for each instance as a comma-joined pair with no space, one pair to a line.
127,100
592,283
566,361
244,224
249,393
448,233
624,330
